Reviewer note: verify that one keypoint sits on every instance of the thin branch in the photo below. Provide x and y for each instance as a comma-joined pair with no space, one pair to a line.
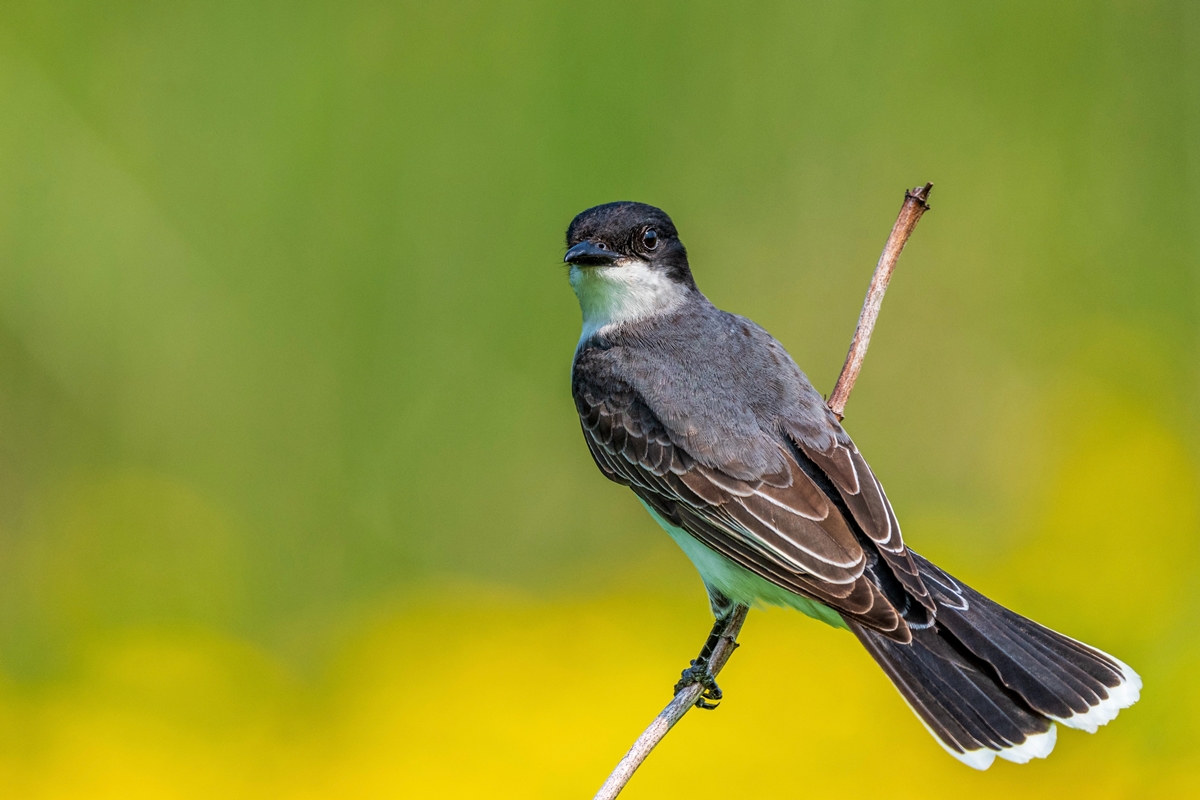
673,712
910,213
914,206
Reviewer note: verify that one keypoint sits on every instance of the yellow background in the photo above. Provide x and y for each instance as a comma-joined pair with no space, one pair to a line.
293,501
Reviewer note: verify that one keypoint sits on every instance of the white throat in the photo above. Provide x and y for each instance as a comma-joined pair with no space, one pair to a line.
627,291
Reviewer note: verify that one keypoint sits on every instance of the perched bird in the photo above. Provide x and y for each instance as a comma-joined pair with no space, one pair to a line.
710,422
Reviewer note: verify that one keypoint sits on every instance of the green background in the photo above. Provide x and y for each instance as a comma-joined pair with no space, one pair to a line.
293,501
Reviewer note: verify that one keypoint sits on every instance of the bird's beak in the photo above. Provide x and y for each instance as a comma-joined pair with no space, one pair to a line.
590,254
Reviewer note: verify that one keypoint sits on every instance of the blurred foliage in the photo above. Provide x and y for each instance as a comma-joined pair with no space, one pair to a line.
292,497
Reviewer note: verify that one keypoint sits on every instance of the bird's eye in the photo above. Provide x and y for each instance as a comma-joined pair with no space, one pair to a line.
650,239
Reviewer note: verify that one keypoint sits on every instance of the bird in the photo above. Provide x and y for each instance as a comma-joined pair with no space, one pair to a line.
724,440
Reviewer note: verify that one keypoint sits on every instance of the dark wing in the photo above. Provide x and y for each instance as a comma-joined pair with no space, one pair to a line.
850,478
788,528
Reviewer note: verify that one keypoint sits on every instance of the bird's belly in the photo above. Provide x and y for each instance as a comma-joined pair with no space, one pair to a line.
740,584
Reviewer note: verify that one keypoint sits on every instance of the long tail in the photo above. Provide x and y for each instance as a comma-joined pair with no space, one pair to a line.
987,682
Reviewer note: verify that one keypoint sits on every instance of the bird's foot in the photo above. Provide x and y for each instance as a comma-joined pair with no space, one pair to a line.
699,673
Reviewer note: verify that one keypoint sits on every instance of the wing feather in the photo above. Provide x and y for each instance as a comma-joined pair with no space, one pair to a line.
784,527
860,491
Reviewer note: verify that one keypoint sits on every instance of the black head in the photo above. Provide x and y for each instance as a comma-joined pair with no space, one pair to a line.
625,232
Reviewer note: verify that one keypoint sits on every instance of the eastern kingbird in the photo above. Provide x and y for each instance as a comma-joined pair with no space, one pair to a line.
710,422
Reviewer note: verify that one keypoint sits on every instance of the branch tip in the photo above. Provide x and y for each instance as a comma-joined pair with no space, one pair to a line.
910,214
921,194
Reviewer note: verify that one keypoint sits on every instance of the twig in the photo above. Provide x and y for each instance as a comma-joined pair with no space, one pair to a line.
910,213
914,206
673,712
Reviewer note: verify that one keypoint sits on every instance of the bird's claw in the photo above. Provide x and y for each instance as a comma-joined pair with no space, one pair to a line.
699,673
